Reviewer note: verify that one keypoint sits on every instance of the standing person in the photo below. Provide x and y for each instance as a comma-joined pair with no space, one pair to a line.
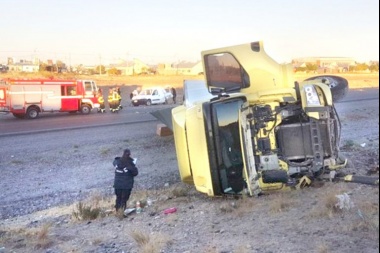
113,100
135,92
125,171
119,95
174,93
110,99
101,101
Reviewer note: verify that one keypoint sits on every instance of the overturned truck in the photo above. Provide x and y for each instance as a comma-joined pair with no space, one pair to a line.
249,128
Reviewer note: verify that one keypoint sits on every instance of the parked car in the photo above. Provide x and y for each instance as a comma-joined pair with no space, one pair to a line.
151,96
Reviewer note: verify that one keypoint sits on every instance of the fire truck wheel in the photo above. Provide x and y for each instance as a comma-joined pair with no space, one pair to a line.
19,115
32,113
85,109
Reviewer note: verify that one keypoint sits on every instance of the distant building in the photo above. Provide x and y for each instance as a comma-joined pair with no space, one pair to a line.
326,64
130,68
23,66
181,68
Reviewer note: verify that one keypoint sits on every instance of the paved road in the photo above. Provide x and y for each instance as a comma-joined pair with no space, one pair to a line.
10,125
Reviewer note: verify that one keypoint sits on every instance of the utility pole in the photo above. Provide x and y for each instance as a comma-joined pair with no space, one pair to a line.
100,64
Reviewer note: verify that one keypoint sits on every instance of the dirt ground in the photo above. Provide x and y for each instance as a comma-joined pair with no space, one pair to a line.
307,220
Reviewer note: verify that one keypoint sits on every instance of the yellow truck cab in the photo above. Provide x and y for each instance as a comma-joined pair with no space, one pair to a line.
249,128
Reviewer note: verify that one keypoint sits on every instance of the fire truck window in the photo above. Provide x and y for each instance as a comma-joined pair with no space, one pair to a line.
87,86
71,91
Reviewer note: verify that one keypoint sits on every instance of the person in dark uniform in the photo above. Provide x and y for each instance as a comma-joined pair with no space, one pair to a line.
119,93
125,171
174,93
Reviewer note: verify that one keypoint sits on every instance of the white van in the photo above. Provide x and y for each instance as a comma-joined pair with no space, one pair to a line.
151,96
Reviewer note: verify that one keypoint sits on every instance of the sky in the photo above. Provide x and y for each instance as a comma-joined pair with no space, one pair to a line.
94,32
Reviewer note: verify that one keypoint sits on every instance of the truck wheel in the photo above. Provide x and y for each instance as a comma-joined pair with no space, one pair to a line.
338,85
148,102
85,109
32,113
19,115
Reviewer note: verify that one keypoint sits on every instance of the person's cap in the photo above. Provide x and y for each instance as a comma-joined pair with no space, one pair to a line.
127,151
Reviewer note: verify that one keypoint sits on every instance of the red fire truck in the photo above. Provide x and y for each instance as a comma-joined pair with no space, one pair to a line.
27,98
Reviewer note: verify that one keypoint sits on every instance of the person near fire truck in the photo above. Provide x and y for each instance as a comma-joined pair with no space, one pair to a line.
119,107
101,108
113,100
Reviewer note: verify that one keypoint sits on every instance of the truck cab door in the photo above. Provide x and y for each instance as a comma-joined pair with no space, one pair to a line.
90,88
69,98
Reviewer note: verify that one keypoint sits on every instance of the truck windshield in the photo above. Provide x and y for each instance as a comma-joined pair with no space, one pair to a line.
230,162
88,86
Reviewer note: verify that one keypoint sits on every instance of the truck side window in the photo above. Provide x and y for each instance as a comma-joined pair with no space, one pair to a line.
224,71
71,91
87,86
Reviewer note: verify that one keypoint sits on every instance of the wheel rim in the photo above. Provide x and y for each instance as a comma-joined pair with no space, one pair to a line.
85,109
33,113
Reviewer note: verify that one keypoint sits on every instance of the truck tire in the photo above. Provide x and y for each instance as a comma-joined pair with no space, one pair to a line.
32,112
148,102
19,115
85,109
338,85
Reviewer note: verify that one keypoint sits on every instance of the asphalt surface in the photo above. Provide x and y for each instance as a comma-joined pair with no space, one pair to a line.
10,125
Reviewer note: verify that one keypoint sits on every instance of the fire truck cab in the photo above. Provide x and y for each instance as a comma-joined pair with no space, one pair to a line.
27,98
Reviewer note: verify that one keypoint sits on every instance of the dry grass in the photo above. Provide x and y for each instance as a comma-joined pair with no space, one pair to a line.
327,202
237,207
355,80
365,218
281,201
105,80
43,240
90,209
25,239
86,212
326,206
349,145
150,243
